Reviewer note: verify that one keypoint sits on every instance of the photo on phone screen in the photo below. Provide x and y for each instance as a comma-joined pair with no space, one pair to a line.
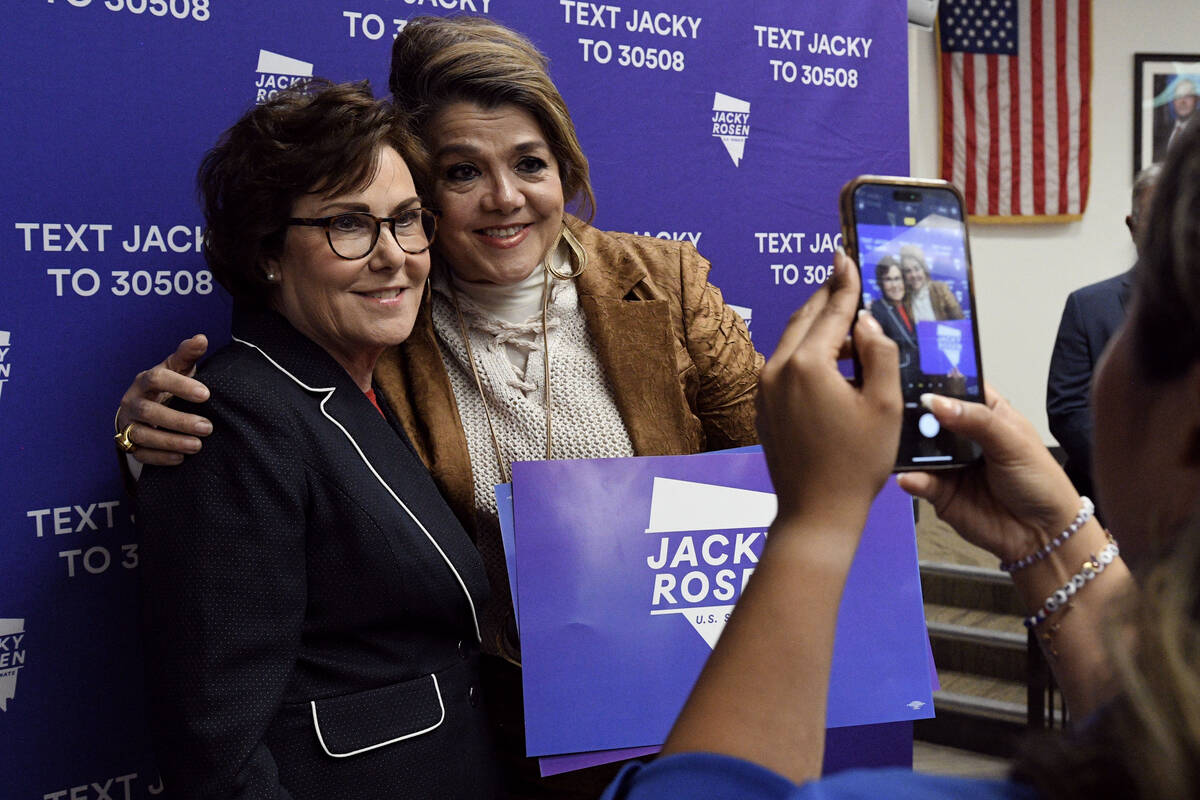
910,241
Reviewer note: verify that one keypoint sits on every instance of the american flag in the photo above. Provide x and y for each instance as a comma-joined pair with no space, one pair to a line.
1016,80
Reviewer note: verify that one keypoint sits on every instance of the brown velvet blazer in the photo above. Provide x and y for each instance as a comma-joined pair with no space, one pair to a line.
681,364
945,305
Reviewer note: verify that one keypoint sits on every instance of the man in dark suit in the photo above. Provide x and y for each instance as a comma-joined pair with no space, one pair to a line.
1091,316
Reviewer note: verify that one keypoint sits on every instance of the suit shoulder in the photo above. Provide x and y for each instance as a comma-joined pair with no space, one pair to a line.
646,248
668,262
615,244
1100,291
241,382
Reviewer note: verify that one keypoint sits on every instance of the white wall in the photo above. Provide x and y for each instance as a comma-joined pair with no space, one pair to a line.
1023,273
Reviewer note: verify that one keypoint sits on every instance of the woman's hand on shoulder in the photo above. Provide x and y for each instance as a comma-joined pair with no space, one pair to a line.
1015,498
162,435
830,445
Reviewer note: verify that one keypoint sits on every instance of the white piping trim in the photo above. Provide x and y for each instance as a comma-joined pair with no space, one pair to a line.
329,390
328,752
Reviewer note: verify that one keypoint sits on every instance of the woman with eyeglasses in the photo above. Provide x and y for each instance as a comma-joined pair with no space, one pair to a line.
893,311
312,606
543,337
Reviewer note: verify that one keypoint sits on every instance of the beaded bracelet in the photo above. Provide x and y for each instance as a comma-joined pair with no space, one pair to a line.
1086,509
1091,568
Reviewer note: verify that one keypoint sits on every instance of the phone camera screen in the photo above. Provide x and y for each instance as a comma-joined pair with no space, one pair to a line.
916,283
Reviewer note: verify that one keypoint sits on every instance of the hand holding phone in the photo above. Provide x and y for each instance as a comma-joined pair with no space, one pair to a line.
909,239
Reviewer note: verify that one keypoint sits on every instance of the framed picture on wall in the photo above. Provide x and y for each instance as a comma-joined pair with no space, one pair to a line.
1166,99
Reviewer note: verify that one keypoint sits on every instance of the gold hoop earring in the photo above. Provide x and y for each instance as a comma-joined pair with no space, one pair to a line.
576,255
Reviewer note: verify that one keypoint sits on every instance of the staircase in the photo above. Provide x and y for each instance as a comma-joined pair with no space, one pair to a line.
992,683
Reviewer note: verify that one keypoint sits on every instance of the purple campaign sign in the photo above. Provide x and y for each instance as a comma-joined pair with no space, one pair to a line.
947,345
569,762
627,569
504,511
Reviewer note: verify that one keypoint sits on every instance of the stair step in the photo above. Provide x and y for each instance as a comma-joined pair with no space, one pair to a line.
969,587
994,653
979,645
974,695
1003,630
976,713
979,706
965,571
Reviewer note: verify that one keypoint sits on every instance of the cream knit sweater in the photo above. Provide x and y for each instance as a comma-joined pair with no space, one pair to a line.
585,421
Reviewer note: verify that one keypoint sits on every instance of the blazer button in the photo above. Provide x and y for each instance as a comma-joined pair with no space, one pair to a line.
473,696
462,649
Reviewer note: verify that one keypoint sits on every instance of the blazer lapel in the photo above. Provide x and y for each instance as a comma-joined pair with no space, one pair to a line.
386,454
389,456
416,384
635,343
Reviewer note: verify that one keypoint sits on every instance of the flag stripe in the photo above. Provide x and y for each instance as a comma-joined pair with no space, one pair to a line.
993,117
1004,147
948,116
960,124
1025,66
1050,95
1018,152
968,93
1073,99
1037,98
1016,84
1085,105
983,136
1062,123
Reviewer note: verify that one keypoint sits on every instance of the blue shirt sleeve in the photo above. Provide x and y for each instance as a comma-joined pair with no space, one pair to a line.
716,777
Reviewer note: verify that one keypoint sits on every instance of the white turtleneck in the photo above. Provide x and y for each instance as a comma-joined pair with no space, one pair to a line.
517,303
511,302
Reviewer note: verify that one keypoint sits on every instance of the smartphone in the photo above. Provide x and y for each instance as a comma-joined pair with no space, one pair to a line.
909,239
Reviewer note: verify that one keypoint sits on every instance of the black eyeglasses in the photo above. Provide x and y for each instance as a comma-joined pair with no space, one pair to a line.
355,234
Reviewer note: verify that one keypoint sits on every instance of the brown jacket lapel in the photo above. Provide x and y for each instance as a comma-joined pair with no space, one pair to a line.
633,331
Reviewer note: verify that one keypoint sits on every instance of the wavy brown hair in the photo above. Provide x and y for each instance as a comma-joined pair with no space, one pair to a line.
437,61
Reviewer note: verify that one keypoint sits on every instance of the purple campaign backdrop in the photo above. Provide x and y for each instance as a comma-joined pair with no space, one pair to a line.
605,566
108,107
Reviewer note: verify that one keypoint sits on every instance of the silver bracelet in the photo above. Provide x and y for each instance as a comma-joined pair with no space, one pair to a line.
1086,509
1091,568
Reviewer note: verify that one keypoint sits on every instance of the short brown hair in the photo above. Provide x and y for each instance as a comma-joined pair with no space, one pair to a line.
883,267
437,61
318,137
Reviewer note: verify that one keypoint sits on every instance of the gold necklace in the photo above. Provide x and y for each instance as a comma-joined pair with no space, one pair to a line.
504,466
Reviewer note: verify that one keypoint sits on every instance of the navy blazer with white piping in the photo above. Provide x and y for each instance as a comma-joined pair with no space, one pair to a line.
889,319
311,604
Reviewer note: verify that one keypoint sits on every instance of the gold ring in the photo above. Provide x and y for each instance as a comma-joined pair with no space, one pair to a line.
124,443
